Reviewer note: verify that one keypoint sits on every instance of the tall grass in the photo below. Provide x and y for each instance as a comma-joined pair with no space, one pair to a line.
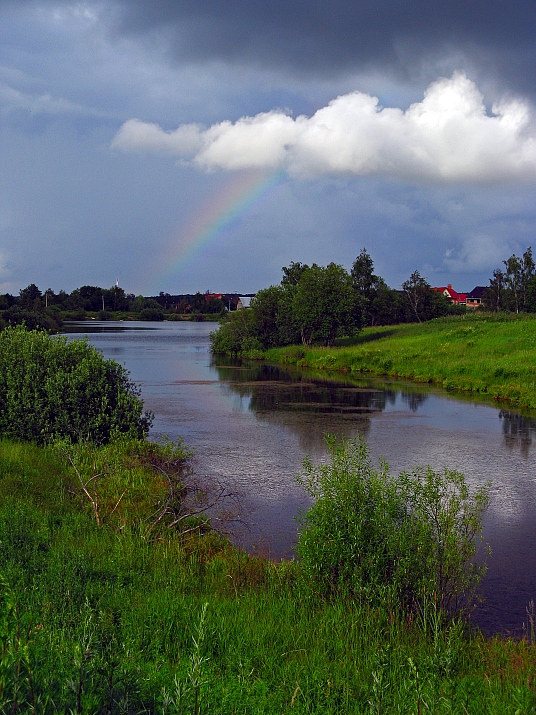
487,354
112,618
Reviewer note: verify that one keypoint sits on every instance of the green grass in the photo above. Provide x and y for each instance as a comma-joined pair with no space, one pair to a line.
112,618
491,355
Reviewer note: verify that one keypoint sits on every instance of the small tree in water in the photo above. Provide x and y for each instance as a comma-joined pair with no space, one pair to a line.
405,539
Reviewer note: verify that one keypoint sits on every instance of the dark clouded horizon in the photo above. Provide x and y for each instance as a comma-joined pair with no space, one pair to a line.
186,146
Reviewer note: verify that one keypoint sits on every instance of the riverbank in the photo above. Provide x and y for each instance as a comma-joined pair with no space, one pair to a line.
110,615
81,315
484,354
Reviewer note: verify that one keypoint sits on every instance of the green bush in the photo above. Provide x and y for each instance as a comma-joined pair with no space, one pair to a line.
408,539
52,388
32,319
152,314
234,329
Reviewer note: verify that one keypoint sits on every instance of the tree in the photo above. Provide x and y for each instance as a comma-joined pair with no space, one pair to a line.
513,282
198,303
514,287
384,307
528,271
365,284
32,319
49,296
214,305
236,333
362,274
266,310
30,297
6,301
492,298
417,290
91,297
154,314
324,304
293,273
117,298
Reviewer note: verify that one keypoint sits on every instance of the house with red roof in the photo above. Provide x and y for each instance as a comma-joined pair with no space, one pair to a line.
453,295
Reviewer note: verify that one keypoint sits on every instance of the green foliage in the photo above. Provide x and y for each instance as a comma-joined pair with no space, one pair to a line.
154,314
38,319
315,305
408,539
489,354
324,305
52,388
235,330
312,305
30,297
514,288
106,620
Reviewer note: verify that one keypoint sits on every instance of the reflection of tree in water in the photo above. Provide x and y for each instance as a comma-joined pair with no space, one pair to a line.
518,430
272,389
414,399
307,404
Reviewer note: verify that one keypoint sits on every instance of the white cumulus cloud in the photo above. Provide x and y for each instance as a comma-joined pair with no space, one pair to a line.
449,137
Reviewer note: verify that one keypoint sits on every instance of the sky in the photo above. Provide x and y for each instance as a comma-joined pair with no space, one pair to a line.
188,145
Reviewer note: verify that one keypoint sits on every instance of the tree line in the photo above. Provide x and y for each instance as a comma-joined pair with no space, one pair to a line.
513,288
316,304
46,310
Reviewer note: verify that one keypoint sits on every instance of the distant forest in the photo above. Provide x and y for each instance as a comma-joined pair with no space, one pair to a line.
312,304
38,309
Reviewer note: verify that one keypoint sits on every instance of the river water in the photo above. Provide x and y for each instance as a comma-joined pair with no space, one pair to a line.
251,425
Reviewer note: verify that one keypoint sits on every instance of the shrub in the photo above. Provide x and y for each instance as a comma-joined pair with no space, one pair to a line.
33,319
50,388
152,314
234,329
408,539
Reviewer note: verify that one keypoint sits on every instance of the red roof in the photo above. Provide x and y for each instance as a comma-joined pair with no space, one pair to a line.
452,294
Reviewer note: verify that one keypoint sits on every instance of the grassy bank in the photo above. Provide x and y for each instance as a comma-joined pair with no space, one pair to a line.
493,355
113,615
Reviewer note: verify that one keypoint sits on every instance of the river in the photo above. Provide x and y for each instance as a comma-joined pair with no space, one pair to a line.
251,425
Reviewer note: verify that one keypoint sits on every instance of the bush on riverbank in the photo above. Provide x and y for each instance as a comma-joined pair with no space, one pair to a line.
115,619
405,540
44,319
52,388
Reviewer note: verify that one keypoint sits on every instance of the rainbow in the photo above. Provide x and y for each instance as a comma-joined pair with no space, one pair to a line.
227,205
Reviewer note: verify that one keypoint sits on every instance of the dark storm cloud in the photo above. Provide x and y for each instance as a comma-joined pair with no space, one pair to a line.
340,36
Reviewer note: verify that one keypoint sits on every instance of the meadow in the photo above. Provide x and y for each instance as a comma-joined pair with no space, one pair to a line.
118,596
117,614
491,355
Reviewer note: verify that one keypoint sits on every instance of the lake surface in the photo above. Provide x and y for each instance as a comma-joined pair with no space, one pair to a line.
251,426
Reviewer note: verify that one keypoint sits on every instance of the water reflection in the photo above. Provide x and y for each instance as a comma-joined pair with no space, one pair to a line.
518,431
310,404
271,388
414,400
